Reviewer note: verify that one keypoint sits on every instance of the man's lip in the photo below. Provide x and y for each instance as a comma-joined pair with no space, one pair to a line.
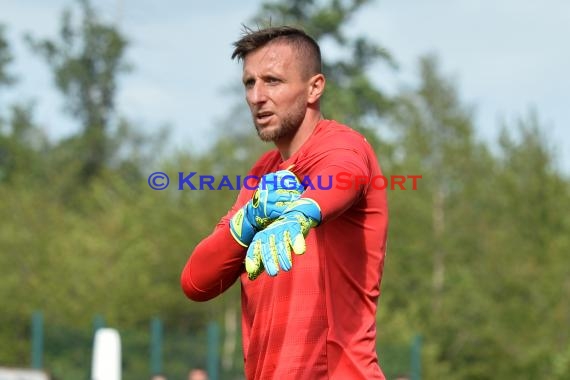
263,117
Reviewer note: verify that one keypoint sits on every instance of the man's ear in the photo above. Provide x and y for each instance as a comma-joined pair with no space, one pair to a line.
316,88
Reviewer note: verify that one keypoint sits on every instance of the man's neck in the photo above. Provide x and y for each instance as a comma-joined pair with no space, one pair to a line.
289,146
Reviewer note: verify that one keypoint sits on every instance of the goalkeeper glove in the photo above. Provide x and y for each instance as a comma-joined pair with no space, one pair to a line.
274,193
271,248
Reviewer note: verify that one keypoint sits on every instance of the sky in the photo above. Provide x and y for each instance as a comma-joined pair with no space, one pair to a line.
506,57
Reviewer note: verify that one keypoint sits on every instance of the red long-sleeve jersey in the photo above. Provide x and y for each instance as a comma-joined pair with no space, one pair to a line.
317,321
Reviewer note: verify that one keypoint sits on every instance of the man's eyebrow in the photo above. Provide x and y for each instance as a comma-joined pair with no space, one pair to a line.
245,77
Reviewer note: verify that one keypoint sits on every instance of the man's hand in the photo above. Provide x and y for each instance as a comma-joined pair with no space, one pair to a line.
271,248
274,193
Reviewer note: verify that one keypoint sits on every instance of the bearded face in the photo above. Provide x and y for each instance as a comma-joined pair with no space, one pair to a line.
276,91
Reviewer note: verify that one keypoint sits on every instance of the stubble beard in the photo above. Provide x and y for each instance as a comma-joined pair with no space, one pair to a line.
289,125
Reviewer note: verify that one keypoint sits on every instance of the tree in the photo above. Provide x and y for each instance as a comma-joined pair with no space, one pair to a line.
22,142
435,231
5,59
469,244
87,62
530,263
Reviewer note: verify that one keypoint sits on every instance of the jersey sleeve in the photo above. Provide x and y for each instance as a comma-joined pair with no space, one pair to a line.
339,176
216,262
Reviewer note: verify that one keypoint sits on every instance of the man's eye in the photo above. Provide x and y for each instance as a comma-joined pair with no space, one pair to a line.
272,80
249,83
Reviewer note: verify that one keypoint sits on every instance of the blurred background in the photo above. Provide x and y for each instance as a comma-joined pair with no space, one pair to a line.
95,96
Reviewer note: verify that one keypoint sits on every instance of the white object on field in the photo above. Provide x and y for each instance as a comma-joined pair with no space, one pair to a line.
106,364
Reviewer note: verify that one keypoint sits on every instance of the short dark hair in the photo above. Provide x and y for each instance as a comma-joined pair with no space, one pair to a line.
305,45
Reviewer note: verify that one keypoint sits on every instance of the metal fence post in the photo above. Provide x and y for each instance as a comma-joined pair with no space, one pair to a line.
213,359
416,358
98,322
156,332
37,339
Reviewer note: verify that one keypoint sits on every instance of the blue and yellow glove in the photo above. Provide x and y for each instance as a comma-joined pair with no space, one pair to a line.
271,248
274,193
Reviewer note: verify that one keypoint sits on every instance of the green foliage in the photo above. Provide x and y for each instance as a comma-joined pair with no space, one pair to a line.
22,145
479,245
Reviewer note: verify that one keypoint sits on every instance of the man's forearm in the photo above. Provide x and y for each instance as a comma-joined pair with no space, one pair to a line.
214,265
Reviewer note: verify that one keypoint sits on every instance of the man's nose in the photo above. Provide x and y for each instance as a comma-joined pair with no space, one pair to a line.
257,94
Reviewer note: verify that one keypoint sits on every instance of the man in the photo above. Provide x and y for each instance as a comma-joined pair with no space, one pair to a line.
309,316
